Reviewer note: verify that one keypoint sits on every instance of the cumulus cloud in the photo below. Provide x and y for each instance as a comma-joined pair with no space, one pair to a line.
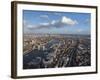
68,21
62,22
39,26
53,22
44,24
31,26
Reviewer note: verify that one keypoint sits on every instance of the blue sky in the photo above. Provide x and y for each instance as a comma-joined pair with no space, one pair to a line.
56,22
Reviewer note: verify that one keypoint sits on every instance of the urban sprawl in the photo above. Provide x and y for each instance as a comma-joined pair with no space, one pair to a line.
56,50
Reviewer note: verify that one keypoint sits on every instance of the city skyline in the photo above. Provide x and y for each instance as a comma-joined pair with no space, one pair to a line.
56,22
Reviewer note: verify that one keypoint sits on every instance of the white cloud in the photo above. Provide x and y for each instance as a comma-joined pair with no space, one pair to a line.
60,23
31,26
53,22
44,24
68,21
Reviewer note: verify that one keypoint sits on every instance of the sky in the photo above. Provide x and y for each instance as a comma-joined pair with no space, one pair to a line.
56,22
